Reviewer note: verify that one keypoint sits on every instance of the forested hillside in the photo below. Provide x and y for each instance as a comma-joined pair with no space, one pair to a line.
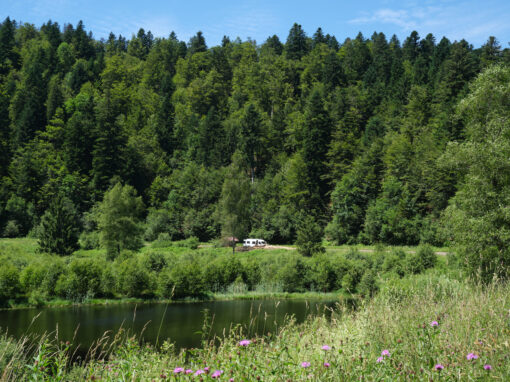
243,138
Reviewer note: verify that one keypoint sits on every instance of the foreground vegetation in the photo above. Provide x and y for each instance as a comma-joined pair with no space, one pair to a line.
179,270
422,327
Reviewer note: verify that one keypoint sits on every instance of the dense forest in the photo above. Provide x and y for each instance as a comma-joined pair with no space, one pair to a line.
156,136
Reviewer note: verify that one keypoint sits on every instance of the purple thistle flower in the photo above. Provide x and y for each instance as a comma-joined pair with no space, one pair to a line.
385,353
434,323
439,367
380,359
199,371
178,370
244,342
326,347
471,356
487,367
206,369
305,364
231,380
217,373
326,364
188,371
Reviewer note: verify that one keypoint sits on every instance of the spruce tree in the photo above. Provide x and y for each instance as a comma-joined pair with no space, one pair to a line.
59,229
297,44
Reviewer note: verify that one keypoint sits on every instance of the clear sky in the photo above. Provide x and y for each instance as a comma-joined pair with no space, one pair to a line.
473,20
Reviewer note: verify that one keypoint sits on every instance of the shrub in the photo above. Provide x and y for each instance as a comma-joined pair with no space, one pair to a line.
133,278
190,242
89,240
82,280
293,275
367,285
12,229
9,283
322,275
183,280
427,256
154,261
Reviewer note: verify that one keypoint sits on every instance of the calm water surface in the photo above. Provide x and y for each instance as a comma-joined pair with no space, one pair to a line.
181,323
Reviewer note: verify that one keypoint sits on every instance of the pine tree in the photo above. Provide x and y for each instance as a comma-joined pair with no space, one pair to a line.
59,229
315,144
309,237
297,43
197,43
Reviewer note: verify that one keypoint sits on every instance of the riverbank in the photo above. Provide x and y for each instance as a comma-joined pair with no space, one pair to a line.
60,303
425,327
176,273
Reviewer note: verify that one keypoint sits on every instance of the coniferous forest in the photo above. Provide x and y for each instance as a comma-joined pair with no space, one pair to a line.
127,164
122,140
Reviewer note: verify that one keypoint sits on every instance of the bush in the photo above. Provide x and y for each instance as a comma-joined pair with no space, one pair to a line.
427,256
183,280
89,240
133,278
191,243
82,280
157,223
293,275
9,283
154,262
367,285
12,229
322,275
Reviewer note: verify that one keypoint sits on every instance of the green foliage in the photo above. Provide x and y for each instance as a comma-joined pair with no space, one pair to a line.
9,283
59,228
118,220
234,204
239,138
477,218
309,237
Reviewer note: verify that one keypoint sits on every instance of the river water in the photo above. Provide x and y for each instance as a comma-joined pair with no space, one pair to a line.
180,323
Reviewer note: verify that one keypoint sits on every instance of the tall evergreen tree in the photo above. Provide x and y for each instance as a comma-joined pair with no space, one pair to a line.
297,43
59,229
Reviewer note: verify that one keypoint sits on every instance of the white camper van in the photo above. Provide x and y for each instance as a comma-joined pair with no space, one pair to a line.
254,243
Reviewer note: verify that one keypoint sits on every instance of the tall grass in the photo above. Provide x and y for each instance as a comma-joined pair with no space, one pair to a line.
470,319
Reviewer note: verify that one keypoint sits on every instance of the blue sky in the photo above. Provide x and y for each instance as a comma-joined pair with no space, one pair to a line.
473,20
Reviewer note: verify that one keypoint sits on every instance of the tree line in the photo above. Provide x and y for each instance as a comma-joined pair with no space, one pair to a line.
308,135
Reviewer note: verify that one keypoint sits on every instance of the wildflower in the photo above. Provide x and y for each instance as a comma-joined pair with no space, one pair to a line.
217,373
471,356
178,370
326,364
244,342
231,380
326,347
434,323
380,359
385,352
439,367
199,371
487,367
305,364
188,371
